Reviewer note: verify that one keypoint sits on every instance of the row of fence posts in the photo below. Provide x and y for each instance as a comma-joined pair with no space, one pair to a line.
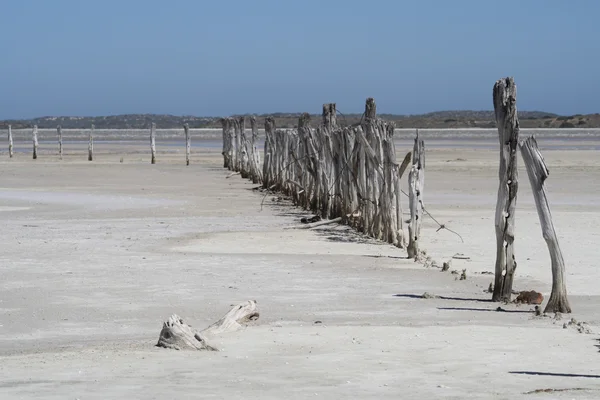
350,175
240,152
59,132
345,174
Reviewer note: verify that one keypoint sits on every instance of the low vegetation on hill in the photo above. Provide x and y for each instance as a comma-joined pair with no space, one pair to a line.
439,119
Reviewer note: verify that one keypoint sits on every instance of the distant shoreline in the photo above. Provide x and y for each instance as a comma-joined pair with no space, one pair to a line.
435,120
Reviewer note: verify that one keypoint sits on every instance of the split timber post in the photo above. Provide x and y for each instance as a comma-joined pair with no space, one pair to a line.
538,173
226,123
244,149
416,181
10,142
35,141
269,153
505,99
188,144
60,142
91,145
153,142
255,172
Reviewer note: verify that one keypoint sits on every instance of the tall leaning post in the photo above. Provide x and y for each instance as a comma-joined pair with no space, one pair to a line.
35,141
91,144
538,173
505,108
188,143
60,143
153,142
10,142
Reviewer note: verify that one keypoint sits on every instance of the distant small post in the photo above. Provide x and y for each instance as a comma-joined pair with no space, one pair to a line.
60,147
188,143
91,145
10,142
153,142
35,141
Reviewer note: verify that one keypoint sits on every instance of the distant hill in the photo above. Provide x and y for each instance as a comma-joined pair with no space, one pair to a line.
438,119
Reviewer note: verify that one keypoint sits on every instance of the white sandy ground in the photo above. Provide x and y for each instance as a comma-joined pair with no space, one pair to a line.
95,256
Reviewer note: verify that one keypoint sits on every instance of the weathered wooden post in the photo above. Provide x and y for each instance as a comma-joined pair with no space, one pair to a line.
188,143
35,141
225,122
153,142
505,98
91,145
538,173
269,153
60,142
10,142
416,180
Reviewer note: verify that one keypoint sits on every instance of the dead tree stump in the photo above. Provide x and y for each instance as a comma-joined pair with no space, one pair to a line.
505,99
177,335
10,142
153,143
538,173
35,142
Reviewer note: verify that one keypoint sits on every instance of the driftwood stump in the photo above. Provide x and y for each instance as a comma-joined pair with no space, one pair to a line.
153,143
177,335
10,142
60,142
505,98
538,173
188,143
35,141
91,145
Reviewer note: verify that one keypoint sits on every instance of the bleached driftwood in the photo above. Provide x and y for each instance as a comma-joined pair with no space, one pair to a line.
188,143
177,335
60,141
35,141
10,142
317,224
91,145
153,143
505,98
416,180
538,173
238,317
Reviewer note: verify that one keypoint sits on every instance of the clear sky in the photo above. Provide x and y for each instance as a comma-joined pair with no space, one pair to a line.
214,58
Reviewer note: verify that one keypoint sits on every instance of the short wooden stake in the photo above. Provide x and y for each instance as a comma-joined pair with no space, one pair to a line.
188,143
35,141
153,142
60,142
91,145
10,142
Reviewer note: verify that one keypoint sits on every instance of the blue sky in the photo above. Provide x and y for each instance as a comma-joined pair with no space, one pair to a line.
213,58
